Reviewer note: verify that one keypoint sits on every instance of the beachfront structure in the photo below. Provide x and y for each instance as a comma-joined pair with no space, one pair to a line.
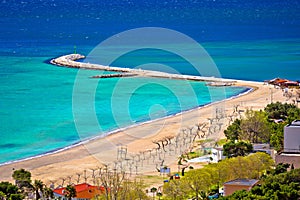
217,154
283,82
84,191
291,145
238,184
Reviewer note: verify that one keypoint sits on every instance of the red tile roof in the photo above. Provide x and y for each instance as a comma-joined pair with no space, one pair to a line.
83,191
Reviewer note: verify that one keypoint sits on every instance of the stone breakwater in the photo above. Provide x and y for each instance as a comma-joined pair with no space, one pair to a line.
114,75
71,61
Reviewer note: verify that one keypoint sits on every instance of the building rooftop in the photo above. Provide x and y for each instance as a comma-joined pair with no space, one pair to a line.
245,182
295,123
83,190
293,154
257,146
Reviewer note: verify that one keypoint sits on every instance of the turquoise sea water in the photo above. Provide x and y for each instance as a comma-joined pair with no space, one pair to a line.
247,39
36,104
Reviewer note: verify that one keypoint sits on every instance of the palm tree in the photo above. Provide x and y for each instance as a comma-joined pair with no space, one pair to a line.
70,192
48,193
37,187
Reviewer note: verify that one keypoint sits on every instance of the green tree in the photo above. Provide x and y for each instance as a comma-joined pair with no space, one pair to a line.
199,182
132,190
255,127
276,139
278,110
176,190
16,197
8,189
48,193
38,187
234,130
2,195
258,164
234,149
292,114
287,112
112,182
240,194
129,190
22,178
280,168
70,192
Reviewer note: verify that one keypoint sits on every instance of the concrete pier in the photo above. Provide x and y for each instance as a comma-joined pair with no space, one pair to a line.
70,61
114,75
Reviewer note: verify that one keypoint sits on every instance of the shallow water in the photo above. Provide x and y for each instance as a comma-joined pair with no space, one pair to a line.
36,104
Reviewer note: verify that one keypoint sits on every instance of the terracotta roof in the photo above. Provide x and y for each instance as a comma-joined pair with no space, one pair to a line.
83,191
281,81
278,80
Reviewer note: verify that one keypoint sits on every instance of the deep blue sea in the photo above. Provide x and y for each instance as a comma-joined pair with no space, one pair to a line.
247,39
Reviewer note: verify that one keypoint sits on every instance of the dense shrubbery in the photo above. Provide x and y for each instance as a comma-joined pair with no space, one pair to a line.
234,149
279,110
261,126
197,183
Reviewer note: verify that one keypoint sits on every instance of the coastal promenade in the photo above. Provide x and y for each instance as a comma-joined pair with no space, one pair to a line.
70,60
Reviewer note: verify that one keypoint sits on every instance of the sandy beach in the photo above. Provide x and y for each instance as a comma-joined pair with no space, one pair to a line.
84,160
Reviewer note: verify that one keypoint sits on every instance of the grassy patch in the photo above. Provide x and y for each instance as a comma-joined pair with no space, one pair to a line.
151,180
222,142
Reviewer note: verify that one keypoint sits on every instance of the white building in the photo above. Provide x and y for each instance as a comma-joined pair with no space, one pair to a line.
292,137
291,149
217,154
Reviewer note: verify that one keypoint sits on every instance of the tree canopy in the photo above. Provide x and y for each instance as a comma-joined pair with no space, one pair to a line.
70,192
261,127
233,130
255,127
234,149
279,110
197,183
22,178
7,190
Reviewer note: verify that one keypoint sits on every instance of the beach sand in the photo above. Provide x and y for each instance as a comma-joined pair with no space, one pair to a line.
85,158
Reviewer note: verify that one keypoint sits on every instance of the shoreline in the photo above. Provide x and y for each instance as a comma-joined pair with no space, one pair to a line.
95,153
87,156
247,90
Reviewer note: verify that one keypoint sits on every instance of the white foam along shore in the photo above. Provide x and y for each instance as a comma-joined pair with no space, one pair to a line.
87,140
70,60
42,161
